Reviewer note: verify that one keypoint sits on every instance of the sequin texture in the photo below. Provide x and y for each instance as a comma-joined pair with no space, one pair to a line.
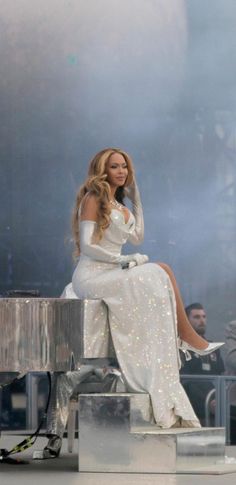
142,320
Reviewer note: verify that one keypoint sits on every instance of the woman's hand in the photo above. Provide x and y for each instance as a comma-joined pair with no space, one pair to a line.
132,260
140,258
131,191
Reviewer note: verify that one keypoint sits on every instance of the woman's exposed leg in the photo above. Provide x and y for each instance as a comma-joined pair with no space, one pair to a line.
185,329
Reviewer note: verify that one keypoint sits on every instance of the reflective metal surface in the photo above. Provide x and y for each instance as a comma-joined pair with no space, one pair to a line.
109,442
199,448
46,334
105,441
39,334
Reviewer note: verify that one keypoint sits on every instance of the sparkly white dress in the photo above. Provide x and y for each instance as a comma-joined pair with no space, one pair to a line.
142,319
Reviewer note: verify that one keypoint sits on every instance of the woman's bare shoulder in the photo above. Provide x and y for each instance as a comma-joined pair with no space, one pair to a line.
89,207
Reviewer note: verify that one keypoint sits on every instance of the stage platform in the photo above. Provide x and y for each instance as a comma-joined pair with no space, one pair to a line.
63,471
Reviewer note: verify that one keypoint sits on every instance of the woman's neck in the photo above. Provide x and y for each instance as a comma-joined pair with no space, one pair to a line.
113,191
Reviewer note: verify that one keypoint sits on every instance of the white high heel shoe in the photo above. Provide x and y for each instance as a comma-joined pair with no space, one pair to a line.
212,346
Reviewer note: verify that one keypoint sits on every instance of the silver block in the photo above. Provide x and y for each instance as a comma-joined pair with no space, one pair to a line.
203,447
115,435
43,334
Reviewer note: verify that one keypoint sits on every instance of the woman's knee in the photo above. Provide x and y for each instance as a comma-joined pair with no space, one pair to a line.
166,267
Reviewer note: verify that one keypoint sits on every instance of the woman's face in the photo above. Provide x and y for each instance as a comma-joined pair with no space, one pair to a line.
116,170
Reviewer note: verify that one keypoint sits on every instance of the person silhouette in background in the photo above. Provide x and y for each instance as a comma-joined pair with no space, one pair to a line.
211,364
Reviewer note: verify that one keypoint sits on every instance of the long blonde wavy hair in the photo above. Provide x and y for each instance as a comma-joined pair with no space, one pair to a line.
97,185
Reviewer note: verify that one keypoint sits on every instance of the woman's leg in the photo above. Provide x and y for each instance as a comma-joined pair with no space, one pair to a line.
185,329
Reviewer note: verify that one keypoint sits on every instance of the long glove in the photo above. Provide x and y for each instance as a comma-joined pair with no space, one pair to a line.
132,192
94,251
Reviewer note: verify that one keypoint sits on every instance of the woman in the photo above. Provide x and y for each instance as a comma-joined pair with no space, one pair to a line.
141,296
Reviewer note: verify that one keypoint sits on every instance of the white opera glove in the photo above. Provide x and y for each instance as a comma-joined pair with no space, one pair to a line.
137,260
140,258
132,192
98,253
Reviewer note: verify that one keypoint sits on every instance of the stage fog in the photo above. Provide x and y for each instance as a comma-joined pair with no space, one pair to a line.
156,78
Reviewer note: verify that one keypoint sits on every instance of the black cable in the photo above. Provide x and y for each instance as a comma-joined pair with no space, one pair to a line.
30,440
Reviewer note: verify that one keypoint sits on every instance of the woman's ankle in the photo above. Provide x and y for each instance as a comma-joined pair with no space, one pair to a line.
195,341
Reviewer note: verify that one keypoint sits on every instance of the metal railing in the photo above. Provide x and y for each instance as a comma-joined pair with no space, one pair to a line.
222,392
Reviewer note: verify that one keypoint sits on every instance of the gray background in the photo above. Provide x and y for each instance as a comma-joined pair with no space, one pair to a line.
154,77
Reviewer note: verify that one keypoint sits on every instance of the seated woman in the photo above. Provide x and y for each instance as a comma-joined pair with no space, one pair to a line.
146,313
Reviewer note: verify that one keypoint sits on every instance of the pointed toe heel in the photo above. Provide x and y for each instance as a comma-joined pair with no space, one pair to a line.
212,347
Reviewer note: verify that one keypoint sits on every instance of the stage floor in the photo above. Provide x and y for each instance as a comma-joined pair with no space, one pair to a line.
63,471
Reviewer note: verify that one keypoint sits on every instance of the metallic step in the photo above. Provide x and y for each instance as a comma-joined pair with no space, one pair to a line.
115,435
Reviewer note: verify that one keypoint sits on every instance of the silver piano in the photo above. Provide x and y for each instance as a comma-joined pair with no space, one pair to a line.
51,334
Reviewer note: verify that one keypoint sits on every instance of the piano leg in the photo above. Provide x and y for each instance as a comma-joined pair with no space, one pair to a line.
64,385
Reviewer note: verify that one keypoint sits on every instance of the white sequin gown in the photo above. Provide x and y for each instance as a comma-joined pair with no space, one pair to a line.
142,321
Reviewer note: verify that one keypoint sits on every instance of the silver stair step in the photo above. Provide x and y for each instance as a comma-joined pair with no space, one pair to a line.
115,435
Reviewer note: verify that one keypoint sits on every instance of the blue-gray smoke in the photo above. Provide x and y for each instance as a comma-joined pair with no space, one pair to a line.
156,78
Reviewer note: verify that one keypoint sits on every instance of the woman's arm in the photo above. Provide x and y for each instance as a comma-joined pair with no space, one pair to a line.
89,208
88,222
132,192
